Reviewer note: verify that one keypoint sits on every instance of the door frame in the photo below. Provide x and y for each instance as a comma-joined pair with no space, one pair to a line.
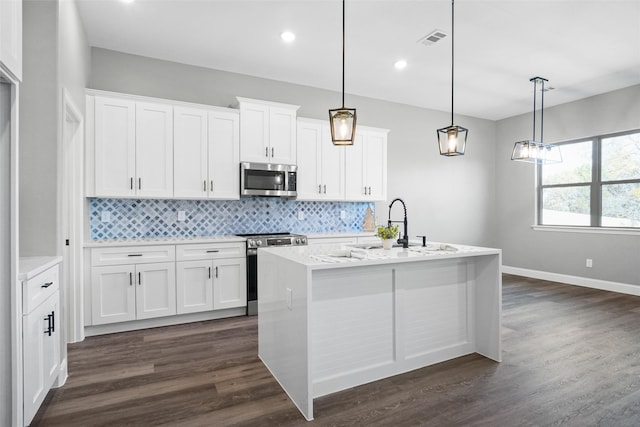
72,190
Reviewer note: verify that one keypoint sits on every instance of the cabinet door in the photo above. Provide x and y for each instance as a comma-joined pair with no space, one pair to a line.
254,133
332,167
309,149
114,147
375,165
224,160
154,150
34,325
51,360
229,283
113,294
190,153
194,286
282,135
11,36
354,176
155,290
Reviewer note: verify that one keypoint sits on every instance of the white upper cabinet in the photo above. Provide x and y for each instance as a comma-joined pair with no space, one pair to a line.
154,150
11,36
190,151
267,132
321,167
366,165
133,148
224,155
115,147
206,154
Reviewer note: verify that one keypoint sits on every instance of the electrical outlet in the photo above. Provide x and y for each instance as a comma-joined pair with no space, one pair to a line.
343,215
300,215
589,262
182,215
289,298
105,216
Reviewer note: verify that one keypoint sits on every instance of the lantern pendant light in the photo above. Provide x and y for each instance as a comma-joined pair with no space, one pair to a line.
533,151
343,120
452,140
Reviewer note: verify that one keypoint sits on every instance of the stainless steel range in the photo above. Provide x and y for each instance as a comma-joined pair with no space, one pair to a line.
254,242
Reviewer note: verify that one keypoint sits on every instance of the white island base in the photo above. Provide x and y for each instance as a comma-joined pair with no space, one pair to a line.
328,326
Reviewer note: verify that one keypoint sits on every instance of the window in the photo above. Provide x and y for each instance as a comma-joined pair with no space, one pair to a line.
596,185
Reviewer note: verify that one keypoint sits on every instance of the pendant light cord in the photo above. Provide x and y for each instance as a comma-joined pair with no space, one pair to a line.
452,56
542,115
343,30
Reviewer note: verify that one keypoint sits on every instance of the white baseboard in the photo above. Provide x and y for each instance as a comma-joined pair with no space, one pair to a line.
623,288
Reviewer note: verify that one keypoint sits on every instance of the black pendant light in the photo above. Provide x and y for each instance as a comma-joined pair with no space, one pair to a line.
452,140
533,151
343,120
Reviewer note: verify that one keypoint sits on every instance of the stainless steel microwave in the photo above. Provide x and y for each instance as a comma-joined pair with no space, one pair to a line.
267,179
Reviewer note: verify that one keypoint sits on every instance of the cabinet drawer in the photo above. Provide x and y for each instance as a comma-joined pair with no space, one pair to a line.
210,251
39,288
132,255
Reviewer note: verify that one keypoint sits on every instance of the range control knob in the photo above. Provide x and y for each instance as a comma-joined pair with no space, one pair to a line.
297,240
304,240
258,242
251,243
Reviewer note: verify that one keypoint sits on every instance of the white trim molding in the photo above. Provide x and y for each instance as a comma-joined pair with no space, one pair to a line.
592,230
605,285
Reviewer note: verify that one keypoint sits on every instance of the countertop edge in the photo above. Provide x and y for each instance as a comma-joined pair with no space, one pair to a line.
163,241
29,267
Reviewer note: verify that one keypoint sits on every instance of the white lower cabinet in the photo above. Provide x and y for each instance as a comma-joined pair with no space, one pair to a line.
211,276
41,329
135,283
129,292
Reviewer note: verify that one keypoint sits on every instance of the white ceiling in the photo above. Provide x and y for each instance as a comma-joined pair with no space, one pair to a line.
583,47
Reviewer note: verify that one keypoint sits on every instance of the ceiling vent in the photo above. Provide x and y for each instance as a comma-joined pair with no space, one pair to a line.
433,37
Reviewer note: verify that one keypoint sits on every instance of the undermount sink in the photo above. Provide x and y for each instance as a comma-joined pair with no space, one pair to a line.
436,248
379,245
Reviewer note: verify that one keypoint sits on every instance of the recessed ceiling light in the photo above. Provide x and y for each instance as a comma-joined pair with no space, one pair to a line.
400,64
127,1
288,36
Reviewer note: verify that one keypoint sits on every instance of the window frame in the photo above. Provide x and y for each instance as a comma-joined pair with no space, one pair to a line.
596,184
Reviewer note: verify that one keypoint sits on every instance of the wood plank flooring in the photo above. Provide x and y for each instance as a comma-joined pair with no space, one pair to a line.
571,356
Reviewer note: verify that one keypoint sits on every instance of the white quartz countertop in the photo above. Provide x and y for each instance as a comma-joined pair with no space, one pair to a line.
32,266
340,256
347,234
163,241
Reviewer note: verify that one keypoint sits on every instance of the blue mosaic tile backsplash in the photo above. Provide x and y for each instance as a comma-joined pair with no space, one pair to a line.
135,219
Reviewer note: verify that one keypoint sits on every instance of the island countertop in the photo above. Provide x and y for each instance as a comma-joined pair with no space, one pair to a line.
331,256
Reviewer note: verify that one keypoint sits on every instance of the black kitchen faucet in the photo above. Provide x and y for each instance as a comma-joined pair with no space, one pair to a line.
405,239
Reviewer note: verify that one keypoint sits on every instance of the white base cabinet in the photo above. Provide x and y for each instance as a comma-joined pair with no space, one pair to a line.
129,284
41,338
145,282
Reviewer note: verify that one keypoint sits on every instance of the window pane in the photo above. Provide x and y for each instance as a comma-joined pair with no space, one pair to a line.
621,157
621,205
566,206
575,167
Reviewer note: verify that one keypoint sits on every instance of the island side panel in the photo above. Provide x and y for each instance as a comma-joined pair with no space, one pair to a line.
352,327
488,307
283,339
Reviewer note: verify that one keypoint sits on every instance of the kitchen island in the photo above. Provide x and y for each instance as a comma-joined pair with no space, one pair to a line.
332,317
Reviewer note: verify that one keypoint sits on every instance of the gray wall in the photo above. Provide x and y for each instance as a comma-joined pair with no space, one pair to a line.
449,199
615,257
38,130
55,55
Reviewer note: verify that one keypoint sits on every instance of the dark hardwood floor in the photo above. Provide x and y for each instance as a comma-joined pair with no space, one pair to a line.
571,356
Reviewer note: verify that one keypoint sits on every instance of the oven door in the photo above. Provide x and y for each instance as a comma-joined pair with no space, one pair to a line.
263,179
252,282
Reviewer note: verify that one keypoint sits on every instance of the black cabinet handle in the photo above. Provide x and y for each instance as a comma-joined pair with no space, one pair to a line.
130,279
53,321
209,272
213,251
134,254
46,285
48,319
216,272
139,278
